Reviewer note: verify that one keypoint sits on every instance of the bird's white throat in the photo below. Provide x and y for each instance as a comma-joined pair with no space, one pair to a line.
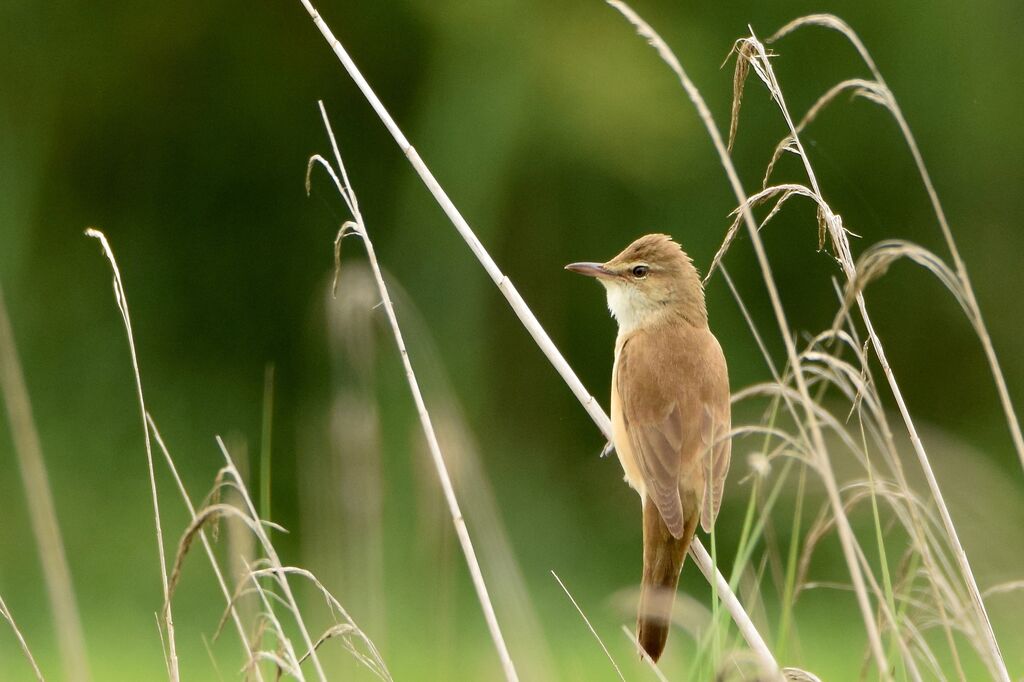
629,306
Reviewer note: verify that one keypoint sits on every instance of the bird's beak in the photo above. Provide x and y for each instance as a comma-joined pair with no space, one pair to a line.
590,269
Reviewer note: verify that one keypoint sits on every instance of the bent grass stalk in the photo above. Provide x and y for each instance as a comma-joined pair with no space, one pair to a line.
520,621
359,228
122,306
532,325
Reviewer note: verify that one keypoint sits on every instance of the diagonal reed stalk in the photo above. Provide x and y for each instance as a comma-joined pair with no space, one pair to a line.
359,228
530,322
122,306
42,511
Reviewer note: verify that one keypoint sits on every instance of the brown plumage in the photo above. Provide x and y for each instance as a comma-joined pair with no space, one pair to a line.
670,411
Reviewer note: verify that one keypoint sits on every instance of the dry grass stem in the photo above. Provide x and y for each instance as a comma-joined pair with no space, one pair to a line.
21,640
521,624
218,574
122,306
358,227
589,626
631,637
280,577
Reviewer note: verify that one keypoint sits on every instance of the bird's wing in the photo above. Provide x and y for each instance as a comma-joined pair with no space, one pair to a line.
674,391
716,425
655,424
715,428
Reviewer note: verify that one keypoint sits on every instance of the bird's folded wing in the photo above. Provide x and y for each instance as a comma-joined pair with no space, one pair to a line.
655,425
714,435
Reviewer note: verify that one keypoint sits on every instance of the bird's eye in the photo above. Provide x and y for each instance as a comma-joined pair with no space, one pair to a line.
640,271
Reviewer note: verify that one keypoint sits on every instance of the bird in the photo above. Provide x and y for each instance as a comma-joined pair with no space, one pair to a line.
670,411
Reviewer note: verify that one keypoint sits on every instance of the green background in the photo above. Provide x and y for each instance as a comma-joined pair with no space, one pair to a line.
182,130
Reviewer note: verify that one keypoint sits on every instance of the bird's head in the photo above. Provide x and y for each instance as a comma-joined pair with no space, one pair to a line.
651,278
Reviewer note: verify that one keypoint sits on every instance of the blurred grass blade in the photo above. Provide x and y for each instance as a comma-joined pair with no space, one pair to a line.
265,440
42,512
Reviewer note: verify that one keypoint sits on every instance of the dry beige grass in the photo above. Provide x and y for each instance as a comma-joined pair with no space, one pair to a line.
823,418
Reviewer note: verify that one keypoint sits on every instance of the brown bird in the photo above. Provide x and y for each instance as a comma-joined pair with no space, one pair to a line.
670,411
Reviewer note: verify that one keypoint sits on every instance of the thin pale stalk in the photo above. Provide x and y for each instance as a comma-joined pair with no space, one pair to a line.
589,626
21,640
526,316
631,636
122,305
425,422
883,559
41,508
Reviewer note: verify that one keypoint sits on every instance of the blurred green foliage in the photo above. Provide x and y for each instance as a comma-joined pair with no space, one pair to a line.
183,129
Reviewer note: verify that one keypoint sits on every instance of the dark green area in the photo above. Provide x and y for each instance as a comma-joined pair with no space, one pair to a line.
182,130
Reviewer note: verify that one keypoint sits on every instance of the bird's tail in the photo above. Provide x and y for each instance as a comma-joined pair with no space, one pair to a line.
663,560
